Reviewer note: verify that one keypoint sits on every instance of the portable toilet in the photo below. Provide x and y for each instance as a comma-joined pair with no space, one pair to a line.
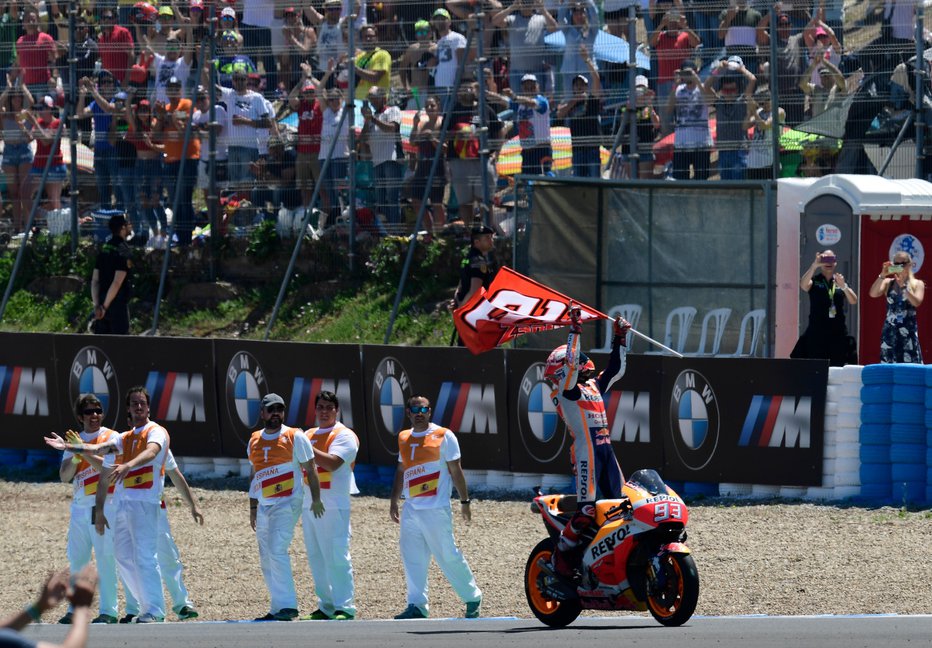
864,219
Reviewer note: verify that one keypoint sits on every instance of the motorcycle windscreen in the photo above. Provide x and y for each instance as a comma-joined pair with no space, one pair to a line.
648,479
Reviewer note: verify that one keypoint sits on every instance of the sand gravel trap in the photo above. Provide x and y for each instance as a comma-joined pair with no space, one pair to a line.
785,558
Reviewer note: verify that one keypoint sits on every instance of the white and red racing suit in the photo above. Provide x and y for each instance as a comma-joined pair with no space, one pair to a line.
595,466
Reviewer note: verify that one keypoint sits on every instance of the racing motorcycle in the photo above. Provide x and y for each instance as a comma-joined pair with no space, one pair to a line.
635,557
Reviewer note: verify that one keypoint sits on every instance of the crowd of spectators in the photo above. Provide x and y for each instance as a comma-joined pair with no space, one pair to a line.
282,90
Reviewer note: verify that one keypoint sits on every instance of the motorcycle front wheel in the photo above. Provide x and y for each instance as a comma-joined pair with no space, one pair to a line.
673,602
553,613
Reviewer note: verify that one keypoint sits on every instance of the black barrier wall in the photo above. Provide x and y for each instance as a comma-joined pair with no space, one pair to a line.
698,419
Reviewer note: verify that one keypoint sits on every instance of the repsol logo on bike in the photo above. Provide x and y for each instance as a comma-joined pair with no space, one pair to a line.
24,391
777,421
93,373
176,396
466,407
541,430
302,410
694,419
391,390
245,386
607,544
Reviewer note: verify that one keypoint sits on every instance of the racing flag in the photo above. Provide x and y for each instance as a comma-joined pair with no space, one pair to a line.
513,305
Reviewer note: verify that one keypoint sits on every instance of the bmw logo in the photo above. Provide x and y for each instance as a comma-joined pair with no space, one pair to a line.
694,419
93,373
542,431
391,390
245,387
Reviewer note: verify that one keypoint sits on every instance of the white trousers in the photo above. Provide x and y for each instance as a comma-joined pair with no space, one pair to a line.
274,531
169,565
426,533
82,538
135,542
327,540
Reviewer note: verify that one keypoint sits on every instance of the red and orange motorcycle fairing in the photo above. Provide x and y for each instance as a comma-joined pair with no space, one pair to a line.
636,560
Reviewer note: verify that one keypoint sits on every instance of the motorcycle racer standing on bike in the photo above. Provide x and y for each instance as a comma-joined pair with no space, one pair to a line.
579,400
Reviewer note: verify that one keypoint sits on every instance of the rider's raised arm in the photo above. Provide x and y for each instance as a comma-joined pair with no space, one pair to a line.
618,360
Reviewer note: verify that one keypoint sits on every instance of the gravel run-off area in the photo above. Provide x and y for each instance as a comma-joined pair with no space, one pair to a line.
753,557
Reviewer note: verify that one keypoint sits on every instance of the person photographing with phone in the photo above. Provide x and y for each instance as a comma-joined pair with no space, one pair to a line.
826,336
899,338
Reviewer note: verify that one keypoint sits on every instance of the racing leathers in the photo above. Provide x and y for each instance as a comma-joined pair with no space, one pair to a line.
582,408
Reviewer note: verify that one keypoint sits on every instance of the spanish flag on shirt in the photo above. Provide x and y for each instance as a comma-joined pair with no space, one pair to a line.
324,476
139,478
90,485
424,486
279,485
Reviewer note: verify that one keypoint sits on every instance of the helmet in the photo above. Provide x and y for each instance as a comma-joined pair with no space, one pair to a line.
555,371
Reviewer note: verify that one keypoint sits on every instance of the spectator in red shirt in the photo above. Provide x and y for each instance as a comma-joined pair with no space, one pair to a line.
116,46
45,127
310,121
36,54
672,42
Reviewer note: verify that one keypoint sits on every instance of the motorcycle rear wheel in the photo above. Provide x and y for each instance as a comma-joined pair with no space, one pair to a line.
553,613
675,603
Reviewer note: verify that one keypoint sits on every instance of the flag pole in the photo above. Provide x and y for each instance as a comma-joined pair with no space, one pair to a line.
656,343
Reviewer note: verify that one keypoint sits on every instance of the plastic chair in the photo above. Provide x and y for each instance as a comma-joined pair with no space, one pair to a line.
631,312
753,319
720,316
683,317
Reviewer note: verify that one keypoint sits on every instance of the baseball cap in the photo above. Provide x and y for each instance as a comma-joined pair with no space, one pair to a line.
228,12
688,65
784,19
641,80
272,399
196,4
120,96
581,77
143,103
529,77
288,10
421,25
165,10
174,81
820,31
332,3
443,13
479,229
48,101
735,59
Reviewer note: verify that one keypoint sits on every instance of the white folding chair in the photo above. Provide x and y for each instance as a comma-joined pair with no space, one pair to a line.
682,319
720,317
754,320
631,312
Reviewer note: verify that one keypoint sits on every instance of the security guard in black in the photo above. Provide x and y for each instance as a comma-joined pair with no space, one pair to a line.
110,282
479,266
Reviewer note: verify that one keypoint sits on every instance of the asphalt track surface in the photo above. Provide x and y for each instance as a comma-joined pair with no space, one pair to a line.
622,631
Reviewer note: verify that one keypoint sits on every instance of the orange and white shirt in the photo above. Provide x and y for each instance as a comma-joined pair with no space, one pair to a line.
276,459
143,483
424,456
336,486
86,477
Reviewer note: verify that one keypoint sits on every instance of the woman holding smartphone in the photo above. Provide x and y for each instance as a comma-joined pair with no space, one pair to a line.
826,336
899,339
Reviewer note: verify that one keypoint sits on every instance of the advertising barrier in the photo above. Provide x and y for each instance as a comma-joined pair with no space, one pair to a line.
178,373
540,442
754,421
469,396
247,371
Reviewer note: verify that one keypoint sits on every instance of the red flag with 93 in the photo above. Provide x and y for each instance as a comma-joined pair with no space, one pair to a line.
514,305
